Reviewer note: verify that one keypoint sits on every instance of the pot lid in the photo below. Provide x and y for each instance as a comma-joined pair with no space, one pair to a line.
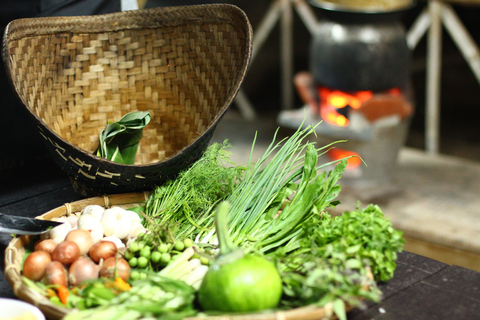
363,6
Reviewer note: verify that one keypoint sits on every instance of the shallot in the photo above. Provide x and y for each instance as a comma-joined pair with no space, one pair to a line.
115,267
118,242
82,238
56,274
66,252
81,270
47,245
35,265
102,250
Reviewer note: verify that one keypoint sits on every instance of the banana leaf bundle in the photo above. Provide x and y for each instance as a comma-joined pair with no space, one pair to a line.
119,140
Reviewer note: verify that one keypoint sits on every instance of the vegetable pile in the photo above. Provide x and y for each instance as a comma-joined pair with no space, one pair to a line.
221,238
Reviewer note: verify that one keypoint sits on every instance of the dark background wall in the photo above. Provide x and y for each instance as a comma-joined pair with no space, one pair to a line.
20,146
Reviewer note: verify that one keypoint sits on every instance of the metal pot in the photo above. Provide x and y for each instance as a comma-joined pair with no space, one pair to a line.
354,49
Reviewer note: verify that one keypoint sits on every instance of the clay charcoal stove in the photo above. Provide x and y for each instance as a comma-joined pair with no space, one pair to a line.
358,86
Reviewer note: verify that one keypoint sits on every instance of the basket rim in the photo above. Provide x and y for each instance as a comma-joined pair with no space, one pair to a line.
28,27
125,20
25,293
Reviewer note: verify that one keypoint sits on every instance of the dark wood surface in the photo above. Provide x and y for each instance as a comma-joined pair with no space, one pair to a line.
422,288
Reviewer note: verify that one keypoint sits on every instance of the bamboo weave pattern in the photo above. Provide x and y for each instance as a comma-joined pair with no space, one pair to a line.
74,74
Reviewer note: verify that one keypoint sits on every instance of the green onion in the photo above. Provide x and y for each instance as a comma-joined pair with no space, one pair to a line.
286,176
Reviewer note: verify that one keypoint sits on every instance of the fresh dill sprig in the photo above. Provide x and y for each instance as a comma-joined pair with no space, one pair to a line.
187,201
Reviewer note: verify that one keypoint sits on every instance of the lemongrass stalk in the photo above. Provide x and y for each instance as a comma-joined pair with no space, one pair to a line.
177,262
185,268
196,276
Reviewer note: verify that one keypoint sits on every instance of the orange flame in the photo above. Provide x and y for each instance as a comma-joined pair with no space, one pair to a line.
337,154
333,100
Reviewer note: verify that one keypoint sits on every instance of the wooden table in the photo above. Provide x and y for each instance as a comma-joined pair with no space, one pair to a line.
422,288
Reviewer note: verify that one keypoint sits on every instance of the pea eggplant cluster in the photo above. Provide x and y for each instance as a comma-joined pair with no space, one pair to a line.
147,253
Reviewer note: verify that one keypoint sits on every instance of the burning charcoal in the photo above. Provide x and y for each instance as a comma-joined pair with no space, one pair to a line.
382,105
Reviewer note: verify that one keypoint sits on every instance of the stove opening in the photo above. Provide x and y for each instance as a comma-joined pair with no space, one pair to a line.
336,107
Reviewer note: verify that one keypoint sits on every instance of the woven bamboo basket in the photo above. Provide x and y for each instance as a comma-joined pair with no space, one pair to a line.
74,74
16,249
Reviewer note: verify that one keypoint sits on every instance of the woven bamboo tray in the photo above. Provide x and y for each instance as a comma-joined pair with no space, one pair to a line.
16,249
74,74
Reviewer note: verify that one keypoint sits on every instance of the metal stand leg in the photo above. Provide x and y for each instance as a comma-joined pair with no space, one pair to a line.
439,12
462,39
434,58
279,10
287,55
418,29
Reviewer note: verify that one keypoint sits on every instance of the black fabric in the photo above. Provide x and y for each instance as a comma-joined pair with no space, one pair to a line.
20,143
78,7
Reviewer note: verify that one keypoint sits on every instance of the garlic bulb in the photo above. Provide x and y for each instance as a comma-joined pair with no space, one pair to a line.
93,225
93,210
59,233
116,221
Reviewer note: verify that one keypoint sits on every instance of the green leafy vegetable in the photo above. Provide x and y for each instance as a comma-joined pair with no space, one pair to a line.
119,140
364,235
156,296
334,257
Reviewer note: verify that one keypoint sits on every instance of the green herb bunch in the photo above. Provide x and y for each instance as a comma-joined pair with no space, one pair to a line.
360,238
184,205
335,257
308,279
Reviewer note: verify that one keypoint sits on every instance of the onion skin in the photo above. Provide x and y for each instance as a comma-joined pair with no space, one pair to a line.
248,284
102,250
47,245
66,252
81,270
56,274
111,270
35,265
82,238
